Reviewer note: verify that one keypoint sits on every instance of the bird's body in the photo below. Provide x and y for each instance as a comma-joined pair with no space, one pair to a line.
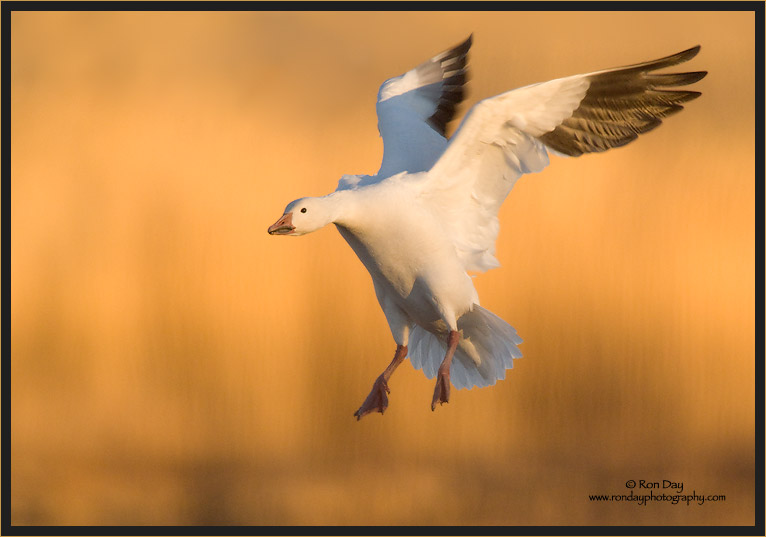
415,271
429,216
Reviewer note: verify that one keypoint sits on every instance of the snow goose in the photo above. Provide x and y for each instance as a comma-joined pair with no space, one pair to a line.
446,196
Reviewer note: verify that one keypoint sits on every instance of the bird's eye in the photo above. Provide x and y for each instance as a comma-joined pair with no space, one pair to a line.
303,210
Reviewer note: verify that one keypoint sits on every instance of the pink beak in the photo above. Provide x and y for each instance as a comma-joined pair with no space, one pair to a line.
283,226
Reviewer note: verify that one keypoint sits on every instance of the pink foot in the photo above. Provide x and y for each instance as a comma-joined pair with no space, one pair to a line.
377,401
441,391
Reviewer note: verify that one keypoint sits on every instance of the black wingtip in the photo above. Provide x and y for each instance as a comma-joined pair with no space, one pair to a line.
674,79
695,76
453,85
679,57
688,54
462,48
661,63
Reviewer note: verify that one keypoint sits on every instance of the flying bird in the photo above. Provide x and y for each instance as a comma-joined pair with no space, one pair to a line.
430,213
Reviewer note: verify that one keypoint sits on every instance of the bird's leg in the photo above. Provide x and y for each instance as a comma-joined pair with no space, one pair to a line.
378,398
441,391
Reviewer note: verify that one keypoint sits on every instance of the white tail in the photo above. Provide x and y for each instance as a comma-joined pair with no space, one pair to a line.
487,348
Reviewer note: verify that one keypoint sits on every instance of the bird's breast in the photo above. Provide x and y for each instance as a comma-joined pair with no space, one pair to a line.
416,268
388,258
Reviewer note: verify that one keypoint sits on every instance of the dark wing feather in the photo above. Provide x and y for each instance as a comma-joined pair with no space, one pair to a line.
622,103
454,66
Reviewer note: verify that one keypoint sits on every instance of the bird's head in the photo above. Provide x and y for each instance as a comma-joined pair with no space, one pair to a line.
303,216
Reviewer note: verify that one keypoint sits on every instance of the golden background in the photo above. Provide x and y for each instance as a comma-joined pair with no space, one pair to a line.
174,364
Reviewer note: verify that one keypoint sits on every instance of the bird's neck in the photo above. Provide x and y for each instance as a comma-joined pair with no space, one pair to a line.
340,209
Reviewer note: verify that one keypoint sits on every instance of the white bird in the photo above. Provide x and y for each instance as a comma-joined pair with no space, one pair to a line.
430,213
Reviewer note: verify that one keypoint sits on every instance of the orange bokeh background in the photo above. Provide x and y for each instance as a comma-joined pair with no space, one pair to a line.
173,364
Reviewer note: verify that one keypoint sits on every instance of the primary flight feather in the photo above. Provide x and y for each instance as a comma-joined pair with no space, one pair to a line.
430,213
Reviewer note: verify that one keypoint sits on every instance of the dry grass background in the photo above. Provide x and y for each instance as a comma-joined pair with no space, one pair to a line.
174,364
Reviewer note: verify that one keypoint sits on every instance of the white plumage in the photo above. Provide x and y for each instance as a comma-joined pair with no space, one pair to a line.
430,213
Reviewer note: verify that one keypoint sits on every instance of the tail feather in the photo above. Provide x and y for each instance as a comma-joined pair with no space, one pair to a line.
487,348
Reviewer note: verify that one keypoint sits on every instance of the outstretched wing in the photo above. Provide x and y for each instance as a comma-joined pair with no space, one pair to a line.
506,136
414,109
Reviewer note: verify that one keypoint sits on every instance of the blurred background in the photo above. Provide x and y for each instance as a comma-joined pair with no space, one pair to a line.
173,364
